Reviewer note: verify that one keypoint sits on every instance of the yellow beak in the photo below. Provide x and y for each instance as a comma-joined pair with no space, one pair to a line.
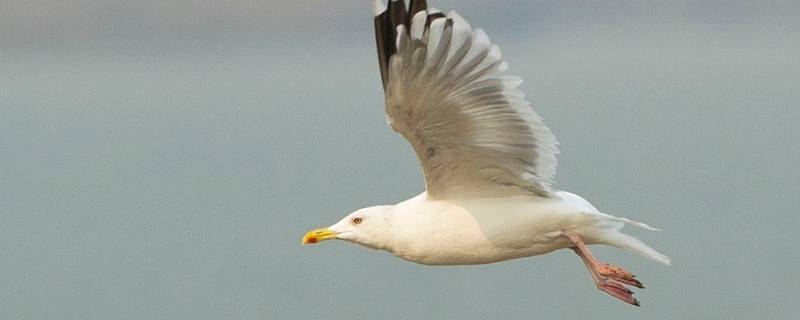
318,235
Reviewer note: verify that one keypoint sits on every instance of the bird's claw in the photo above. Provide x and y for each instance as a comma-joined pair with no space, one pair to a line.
618,290
619,274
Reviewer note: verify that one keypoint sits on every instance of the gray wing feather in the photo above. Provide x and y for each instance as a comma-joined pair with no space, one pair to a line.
473,131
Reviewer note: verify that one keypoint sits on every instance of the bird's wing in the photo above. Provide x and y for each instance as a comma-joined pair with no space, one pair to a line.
473,131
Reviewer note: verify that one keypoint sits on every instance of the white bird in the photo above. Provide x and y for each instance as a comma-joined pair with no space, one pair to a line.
487,157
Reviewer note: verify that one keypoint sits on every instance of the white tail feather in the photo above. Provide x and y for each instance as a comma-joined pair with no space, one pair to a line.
636,224
624,241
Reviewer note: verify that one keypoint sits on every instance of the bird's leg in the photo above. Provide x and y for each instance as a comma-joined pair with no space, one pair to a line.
609,279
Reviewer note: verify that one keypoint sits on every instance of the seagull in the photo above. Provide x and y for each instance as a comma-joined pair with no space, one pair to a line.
487,157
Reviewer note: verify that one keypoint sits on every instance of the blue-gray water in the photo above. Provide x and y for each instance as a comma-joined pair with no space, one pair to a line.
162,163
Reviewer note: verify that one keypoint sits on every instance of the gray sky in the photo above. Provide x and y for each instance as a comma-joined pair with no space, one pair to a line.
87,20
162,160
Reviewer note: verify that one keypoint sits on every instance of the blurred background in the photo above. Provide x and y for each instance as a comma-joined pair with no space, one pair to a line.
162,159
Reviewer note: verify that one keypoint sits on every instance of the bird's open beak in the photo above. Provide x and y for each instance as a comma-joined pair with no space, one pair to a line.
318,235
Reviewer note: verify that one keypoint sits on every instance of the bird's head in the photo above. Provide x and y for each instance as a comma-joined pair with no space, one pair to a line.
368,227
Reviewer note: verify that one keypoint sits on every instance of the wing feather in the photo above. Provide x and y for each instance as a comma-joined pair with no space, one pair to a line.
473,131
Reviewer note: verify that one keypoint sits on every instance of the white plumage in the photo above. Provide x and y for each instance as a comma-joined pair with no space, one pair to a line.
487,157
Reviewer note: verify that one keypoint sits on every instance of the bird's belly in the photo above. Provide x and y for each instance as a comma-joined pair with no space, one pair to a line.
481,244
480,253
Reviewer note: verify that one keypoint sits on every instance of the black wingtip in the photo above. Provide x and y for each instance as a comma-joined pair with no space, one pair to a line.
386,23
387,20
398,12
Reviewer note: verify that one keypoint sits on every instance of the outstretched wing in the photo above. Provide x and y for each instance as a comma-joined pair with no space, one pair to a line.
473,131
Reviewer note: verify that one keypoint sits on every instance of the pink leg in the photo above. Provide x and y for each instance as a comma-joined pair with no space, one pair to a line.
609,279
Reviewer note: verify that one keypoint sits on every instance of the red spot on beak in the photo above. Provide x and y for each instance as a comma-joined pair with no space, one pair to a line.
312,240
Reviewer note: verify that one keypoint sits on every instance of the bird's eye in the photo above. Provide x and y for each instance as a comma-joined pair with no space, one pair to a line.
358,220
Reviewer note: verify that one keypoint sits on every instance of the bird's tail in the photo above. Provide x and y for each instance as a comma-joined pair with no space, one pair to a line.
627,242
610,232
634,223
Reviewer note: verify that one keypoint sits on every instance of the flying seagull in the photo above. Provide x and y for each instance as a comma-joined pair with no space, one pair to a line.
487,157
